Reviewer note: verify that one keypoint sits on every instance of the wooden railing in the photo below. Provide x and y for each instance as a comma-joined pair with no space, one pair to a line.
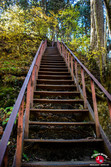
21,106
72,63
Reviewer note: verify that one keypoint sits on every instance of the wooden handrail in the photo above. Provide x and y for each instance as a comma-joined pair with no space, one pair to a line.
72,61
10,124
91,76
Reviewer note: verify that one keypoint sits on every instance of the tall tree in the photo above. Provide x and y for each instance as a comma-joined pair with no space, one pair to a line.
97,31
93,36
108,8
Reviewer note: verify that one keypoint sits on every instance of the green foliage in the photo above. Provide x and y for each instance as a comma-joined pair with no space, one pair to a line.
26,157
8,94
17,45
84,18
5,114
21,32
96,53
80,45
68,22
104,117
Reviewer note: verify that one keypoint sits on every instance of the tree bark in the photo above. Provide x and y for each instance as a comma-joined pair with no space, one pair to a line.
97,32
99,22
93,36
108,9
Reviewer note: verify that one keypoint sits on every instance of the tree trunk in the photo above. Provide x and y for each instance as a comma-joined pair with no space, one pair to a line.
97,32
99,22
93,36
108,9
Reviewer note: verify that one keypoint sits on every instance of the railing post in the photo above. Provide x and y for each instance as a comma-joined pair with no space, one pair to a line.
67,58
35,80
95,109
65,55
84,88
72,68
27,109
32,86
19,135
109,106
5,159
68,61
62,50
76,74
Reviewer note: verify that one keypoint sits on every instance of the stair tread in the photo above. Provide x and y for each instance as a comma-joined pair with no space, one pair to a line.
46,85
55,63
56,75
53,69
55,72
54,80
63,68
46,55
45,66
64,140
58,92
61,123
59,110
59,100
58,163
52,61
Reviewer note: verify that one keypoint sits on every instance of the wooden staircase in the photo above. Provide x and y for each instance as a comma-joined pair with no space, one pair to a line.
56,124
58,107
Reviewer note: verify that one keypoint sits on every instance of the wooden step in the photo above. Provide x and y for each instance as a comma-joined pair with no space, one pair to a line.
61,123
57,111
64,141
52,52
54,69
57,87
53,66
59,163
53,73
55,63
52,57
61,60
57,55
60,77
65,82
74,93
59,101
52,61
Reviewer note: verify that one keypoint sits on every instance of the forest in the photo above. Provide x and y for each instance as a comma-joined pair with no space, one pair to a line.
83,25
